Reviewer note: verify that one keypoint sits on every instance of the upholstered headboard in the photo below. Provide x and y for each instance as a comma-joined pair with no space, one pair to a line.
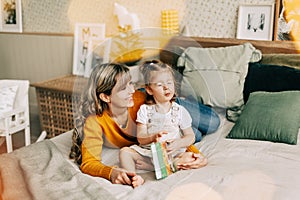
170,53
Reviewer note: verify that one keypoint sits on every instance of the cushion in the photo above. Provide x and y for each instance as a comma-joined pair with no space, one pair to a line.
290,60
270,78
270,116
7,98
217,75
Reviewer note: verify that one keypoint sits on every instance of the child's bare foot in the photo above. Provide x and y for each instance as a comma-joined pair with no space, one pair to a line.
144,165
137,180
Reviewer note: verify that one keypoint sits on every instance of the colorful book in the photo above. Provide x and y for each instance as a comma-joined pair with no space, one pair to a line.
163,163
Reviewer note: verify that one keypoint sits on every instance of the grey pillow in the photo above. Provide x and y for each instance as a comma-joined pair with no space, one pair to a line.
270,116
217,75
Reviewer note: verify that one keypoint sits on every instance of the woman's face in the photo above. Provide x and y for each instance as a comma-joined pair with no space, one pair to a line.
161,86
121,95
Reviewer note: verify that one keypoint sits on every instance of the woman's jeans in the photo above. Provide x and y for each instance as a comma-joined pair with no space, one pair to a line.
205,119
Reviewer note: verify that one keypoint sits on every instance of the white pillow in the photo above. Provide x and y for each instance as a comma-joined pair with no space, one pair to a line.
7,98
217,75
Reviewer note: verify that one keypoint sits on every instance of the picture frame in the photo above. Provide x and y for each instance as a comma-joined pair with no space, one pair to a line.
88,37
100,54
277,18
255,22
287,24
10,16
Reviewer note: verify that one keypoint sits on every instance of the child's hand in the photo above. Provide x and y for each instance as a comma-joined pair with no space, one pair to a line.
173,145
159,135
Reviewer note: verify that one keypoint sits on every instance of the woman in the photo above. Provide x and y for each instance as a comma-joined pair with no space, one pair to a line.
106,116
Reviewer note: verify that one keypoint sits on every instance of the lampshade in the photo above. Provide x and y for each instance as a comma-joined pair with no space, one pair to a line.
169,21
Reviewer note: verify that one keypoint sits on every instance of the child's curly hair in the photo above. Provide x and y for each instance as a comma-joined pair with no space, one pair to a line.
155,65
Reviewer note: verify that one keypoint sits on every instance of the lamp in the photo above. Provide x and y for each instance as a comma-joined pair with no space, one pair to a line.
169,21
127,46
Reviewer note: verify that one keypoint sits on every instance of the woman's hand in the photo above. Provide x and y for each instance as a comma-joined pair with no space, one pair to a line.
121,176
189,160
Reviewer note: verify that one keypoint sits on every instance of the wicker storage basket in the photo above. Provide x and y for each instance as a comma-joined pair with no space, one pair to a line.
56,100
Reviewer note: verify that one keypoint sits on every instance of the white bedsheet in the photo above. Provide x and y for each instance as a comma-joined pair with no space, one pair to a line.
237,169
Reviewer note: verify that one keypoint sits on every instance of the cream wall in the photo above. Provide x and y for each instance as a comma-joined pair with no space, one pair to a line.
210,18
46,16
214,18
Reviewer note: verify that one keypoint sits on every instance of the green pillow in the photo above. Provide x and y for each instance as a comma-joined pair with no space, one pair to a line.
271,116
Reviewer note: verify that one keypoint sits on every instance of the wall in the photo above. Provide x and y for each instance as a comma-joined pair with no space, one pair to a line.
211,18
214,18
47,16
35,58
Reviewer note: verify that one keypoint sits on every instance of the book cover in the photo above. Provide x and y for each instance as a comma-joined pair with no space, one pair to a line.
163,163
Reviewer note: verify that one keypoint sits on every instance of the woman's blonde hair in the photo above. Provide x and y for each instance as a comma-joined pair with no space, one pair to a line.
102,80
155,65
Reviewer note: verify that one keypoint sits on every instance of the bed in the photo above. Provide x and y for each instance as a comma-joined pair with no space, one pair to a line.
240,166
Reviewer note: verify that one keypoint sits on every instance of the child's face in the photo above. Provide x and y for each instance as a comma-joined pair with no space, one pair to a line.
121,95
161,86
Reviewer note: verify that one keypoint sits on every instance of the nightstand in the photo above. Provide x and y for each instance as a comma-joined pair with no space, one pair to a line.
56,101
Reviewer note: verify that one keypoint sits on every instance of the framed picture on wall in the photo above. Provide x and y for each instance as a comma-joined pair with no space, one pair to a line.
255,22
11,16
100,54
287,23
87,36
